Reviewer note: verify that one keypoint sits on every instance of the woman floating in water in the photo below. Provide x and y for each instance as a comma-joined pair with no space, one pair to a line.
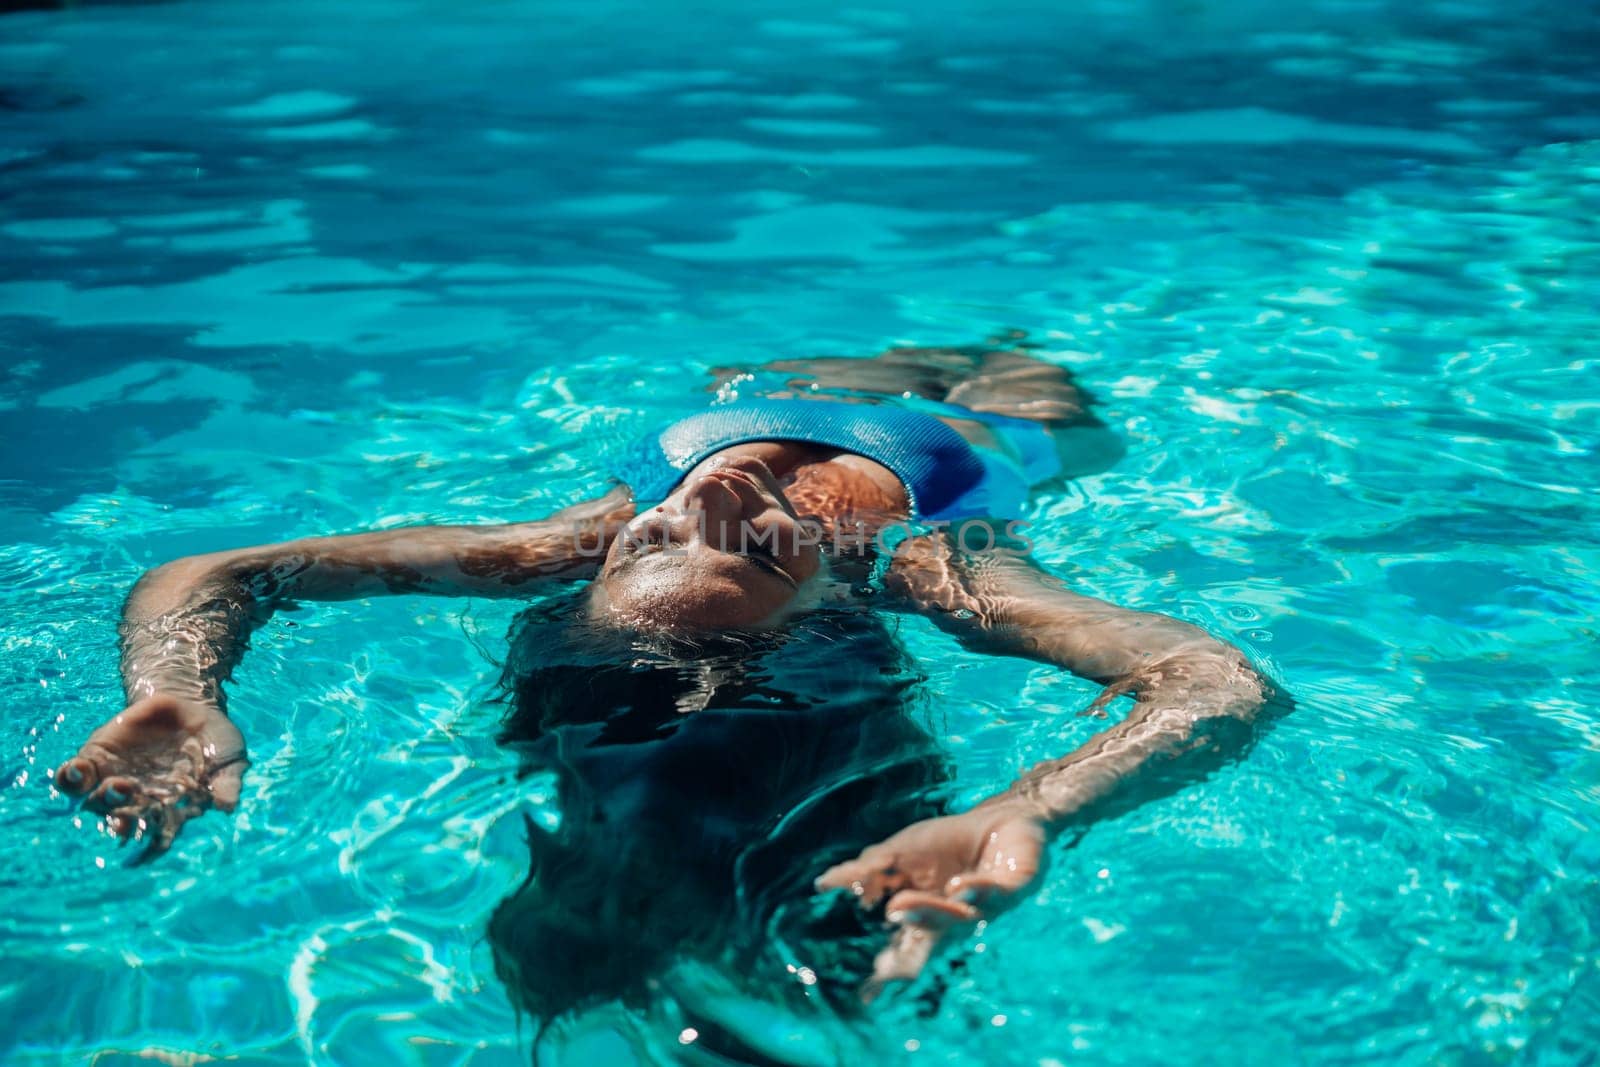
723,703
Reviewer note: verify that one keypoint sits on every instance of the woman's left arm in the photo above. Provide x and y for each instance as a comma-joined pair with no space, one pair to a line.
1197,703
173,752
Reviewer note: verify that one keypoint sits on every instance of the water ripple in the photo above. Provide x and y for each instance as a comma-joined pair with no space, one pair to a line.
279,285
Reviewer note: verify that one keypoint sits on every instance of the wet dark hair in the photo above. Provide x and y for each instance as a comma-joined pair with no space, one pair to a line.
703,784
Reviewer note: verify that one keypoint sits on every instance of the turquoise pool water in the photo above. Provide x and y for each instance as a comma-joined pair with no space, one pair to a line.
276,270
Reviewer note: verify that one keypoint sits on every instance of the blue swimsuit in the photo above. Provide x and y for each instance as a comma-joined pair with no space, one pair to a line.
945,476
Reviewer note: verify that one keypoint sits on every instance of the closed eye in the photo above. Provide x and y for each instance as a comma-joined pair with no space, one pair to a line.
762,557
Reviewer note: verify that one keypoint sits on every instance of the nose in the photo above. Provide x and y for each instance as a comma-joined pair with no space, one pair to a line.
721,505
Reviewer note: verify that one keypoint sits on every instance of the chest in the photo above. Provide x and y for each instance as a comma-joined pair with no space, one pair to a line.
847,486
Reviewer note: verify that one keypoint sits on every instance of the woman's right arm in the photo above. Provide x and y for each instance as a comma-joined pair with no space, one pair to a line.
173,752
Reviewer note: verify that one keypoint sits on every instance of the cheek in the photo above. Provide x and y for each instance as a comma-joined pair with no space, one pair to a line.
807,562
608,565
798,550
784,535
737,598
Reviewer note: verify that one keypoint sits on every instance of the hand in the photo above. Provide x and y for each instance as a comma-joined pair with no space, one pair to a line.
938,874
156,765
616,506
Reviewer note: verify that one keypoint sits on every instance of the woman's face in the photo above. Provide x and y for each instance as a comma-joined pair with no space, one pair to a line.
725,550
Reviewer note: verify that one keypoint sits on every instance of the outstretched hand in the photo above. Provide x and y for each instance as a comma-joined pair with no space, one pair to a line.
939,874
154,766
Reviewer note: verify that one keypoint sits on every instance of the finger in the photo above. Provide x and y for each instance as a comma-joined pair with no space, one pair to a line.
600,507
225,784
983,891
162,829
77,776
114,792
131,821
918,907
901,961
840,876
122,823
924,918
870,880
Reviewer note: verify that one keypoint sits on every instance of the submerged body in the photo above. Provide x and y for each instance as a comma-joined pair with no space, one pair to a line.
701,791
722,702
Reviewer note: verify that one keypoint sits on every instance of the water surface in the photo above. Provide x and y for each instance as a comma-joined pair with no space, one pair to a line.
271,271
